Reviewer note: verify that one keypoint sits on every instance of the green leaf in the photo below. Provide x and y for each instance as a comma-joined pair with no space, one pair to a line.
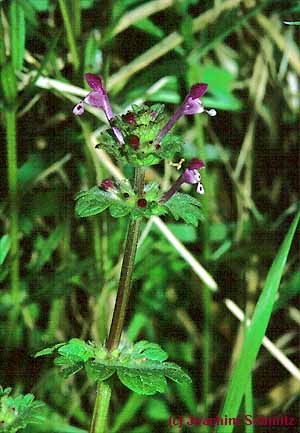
150,350
48,350
73,369
186,207
140,367
170,145
92,202
175,373
91,50
157,410
147,26
256,331
152,191
40,5
17,412
9,83
44,248
98,371
119,209
4,247
17,33
288,291
143,381
76,350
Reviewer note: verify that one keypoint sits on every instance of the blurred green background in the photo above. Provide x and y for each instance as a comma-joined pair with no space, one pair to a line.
59,273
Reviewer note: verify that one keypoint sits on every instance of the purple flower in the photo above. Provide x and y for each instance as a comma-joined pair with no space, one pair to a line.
190,175
191,105
97,98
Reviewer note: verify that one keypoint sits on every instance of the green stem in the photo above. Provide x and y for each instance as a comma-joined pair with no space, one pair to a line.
99,420
12,172
70,34
103,395
126,271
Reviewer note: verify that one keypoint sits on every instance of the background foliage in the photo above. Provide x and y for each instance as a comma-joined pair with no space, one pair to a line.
150,51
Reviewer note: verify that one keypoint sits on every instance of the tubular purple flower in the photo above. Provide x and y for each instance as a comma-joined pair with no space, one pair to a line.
190,175
97,98
191,105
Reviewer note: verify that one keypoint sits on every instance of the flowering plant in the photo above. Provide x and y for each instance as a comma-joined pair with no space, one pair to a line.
141,137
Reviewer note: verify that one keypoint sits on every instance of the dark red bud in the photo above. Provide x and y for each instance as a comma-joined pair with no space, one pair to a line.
134,141
153,114
142,202
157,147
129,118
196,164
107,184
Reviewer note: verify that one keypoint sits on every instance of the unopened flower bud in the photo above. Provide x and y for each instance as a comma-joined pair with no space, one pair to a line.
142,202
107,184
129,118
134,141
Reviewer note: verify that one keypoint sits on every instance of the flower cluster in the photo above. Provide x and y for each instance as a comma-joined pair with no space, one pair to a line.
142,137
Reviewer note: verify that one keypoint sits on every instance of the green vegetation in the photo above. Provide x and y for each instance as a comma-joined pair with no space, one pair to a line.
152,300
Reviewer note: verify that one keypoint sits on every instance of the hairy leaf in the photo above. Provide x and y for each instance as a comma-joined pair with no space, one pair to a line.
185,207
140,367
92,202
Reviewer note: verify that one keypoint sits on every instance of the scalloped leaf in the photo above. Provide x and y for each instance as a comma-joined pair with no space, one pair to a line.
17,412
170,145
99,371
92,202
48,350
77,350
146,381
119,209
185,207
149,350
140,367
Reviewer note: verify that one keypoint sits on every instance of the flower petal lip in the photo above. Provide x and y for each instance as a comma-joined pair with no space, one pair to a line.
193,106
78,110
198,90
95,99
94,82
191,176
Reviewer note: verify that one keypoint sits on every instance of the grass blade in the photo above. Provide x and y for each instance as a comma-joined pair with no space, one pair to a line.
256,331
17,34
249,405
70,34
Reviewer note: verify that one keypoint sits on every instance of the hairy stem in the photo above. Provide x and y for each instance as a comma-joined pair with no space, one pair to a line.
126,271
98,423
12,173
99,420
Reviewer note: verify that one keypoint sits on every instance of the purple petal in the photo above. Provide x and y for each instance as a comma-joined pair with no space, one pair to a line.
95,99
78,110
191,176
118,135
94,82
196,164
192,107
198,90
